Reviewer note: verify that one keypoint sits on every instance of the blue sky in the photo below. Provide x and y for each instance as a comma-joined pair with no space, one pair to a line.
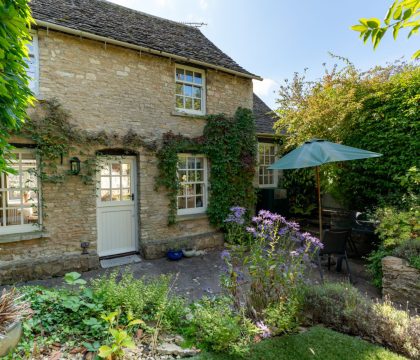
275,38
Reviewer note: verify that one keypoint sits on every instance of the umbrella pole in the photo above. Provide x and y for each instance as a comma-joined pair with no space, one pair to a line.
318,188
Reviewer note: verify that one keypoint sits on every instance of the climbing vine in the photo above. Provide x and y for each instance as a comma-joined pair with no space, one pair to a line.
230,145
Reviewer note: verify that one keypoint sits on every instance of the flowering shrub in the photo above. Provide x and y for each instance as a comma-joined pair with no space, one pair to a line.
234,225
264,276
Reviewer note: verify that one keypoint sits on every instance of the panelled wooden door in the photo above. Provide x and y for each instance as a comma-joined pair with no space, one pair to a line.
116,205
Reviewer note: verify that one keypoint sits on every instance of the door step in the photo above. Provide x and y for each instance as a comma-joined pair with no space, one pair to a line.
119,261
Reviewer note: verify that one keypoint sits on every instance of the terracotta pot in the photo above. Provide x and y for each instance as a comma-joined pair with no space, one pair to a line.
10,339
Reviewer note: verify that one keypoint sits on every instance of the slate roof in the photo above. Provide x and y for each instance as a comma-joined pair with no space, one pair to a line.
113,21
264,117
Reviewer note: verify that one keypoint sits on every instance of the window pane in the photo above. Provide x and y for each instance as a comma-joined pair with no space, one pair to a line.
125,181
199,201
13,216
179,89
197,78
180,74
199,163
126,194
116,195
116,182
189,189
188,76
180,102
116,169
188,103
105,182
29,179
197,92
12,180
182,162
182,175
105,195
188,90
198,189
191,163
125,169
190,202
13,198
30,215
181,203
30,197
197,104
199,175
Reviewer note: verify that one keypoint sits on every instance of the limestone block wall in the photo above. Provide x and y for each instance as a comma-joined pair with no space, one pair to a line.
400,282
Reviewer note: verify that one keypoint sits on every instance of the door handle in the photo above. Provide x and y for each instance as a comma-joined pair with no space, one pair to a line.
132,196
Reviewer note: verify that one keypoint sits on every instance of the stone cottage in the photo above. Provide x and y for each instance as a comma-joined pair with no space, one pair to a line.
119,71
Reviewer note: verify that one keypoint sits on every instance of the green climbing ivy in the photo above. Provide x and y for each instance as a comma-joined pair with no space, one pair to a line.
230,145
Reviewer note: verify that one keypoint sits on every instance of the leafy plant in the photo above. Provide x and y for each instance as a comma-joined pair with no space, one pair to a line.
402,14
234,226
119,338
15,95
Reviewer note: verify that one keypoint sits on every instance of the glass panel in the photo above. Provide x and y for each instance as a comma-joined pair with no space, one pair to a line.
116,182
105,183
13,198
197,78
182,190
1,217
29,179
125,181
191,176
191,163
189,189
190,202
12,180
199,163
181,203
199,201
197,92
188,76
188,90
116,195
197,104
180,74
272,150
125,169
180,102
105,170
178,89
105,195
182,162
30,197
182,176
126,194
188,103
198,189
199,176
116,169
13,216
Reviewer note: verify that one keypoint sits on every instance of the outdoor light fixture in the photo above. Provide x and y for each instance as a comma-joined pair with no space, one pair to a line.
74,165
84,246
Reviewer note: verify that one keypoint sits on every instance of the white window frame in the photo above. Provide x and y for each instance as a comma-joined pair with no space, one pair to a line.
34,82
202,85
23,228
204,183
275,172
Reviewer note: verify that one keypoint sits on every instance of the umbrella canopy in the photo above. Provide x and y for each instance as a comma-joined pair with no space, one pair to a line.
316,152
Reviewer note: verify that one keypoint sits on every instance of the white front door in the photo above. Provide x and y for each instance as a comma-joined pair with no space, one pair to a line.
116,205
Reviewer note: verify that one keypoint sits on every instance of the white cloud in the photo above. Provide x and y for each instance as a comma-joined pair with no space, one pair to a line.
204,4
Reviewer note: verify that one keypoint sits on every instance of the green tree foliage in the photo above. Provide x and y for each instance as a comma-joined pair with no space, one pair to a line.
376,110
15,95
402,14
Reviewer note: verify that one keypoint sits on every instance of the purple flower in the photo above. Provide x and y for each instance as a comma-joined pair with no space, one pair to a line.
225,255
265,331
236,216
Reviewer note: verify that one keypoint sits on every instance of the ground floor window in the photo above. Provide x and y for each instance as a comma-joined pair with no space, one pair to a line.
266,156
19,194
192,177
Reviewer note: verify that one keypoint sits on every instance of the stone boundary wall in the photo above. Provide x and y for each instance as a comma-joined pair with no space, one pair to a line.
400,282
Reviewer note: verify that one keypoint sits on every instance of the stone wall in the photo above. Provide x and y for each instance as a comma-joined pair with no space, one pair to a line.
401,282
113,89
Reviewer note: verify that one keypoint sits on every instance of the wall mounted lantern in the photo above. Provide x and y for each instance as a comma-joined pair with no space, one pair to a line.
74,165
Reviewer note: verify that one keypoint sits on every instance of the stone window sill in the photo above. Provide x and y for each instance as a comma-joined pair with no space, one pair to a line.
180,218
191,116
32,235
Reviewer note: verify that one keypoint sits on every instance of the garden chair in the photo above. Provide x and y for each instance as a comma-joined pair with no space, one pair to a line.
335,243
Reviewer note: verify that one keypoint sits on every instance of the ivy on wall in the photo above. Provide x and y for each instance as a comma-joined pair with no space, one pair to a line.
230,145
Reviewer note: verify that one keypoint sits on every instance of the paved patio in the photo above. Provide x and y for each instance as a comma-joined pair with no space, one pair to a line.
199,276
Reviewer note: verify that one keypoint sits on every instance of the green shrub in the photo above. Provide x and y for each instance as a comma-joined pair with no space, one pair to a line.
374,265
344,308
213,325
145,299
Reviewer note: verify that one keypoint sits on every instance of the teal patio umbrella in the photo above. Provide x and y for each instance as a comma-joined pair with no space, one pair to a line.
316,152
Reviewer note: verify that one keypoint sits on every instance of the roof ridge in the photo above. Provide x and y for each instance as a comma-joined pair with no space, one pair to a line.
147,14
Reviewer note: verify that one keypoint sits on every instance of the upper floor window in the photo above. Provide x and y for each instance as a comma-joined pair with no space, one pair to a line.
19,200
190,89
266,157
33,64
192,177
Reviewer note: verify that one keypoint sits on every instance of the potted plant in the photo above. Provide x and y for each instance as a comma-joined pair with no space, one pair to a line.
175,252
12,311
